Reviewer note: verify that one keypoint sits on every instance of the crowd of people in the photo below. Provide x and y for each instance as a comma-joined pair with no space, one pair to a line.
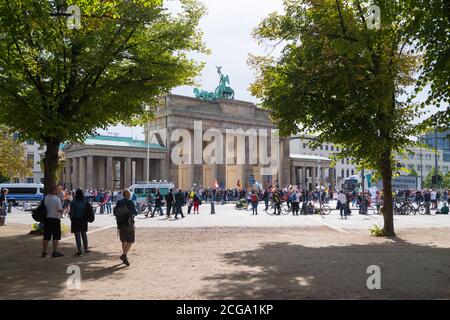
79,205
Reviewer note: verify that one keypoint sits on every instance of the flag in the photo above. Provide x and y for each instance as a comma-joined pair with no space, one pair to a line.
216,185
239,184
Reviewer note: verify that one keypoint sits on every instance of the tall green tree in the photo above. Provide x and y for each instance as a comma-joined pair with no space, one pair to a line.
59,84
342,80
428,182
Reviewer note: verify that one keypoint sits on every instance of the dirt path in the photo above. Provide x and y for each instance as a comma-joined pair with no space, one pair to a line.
232,263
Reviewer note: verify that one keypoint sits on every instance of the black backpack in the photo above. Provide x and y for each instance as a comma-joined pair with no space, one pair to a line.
122,214
40,213
89,212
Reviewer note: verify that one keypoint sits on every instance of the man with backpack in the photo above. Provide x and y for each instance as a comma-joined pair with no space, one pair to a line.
125,211
52,222
158,203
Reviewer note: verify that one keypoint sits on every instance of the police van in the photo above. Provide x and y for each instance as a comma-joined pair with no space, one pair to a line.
142,190
23,192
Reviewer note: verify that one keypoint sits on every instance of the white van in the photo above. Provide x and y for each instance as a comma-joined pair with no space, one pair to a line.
22,192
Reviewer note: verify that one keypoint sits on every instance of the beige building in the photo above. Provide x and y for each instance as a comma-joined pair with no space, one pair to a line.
116,162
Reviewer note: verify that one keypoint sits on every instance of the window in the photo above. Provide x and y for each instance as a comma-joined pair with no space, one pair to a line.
342,173
342,161
30,142
326,147
304,146
16,136
30,180
332,148
337,149
347,160
353,172
321,147
348,173
30,159
42,181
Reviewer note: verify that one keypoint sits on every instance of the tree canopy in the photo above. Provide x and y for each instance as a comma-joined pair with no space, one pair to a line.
59,84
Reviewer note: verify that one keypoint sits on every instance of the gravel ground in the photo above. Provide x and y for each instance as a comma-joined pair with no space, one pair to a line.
315,262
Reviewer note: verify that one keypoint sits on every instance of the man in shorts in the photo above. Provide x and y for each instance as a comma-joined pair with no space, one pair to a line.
52,223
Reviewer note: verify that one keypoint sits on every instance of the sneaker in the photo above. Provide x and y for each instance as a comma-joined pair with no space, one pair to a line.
86,251
78,254
44,254
125,262
57,255
123,257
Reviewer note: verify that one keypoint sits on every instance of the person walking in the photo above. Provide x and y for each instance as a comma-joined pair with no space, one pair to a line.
125,211
79,211
3,206
158,203
170,200
427,201
52,223
179,202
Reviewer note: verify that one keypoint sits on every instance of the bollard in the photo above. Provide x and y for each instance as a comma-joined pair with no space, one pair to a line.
213,211
9,207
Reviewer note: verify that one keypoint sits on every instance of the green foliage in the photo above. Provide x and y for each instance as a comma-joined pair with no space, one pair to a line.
377,231
60,85
13,162
428,181
339,79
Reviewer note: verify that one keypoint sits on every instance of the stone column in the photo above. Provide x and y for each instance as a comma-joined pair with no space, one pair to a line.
127,172
109,173
82,174
122,174
304,180
163,168
75,172
90,183
314,177
67,176
322,177
145,170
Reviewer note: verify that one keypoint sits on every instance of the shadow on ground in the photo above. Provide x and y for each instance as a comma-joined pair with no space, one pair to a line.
282,270
25,275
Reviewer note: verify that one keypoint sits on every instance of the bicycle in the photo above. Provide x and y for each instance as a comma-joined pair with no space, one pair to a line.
283,206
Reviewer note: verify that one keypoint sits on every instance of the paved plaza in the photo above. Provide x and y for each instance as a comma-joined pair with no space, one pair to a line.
227,216
234,255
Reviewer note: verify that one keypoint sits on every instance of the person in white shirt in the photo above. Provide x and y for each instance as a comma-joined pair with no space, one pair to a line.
52,223
433,196
342,199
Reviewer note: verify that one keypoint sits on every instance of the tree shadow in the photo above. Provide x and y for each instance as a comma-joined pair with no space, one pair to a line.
282,270
25,275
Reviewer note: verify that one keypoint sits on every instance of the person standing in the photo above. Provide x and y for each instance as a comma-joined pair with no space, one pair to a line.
296,202
125,211
276,199
433,198
196,202
427,201
3,206
79,210
170,200
179,202
342,199
254,202
52,223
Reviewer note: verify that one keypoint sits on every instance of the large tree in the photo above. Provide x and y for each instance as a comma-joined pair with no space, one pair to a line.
342,80
59,84
13,161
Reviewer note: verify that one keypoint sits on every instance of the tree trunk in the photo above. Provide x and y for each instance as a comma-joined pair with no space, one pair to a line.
388,213
51,163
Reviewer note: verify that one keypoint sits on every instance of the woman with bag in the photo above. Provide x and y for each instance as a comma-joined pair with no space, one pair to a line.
3,206
81,212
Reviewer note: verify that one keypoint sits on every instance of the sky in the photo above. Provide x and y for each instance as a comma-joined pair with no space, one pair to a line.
227,31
